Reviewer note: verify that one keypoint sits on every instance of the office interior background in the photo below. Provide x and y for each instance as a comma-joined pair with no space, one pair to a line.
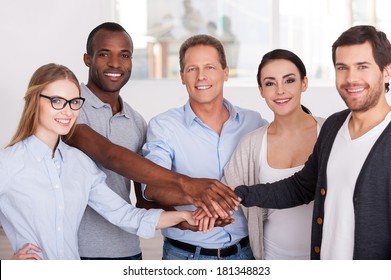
37,32
41,31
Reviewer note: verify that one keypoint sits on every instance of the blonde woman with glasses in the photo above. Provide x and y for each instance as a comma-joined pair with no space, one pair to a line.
46,185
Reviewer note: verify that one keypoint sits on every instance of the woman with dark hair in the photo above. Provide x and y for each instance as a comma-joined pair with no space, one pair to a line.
46,185
274,152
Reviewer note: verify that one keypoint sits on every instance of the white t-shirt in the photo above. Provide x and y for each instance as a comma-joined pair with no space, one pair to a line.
346,160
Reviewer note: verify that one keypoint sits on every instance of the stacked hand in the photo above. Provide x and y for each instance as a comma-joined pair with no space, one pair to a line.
204,224
215,198
216,204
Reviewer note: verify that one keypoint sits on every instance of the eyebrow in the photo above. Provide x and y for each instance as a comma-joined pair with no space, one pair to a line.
108,50
285,76
356,63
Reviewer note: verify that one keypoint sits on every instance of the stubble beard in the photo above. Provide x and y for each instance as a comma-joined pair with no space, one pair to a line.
371,99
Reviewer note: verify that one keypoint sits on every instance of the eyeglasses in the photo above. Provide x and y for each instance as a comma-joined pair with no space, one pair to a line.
59,103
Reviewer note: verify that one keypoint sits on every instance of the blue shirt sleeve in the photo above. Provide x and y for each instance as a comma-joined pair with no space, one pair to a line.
117,211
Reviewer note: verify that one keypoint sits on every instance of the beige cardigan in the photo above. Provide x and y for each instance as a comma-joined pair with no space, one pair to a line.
243,169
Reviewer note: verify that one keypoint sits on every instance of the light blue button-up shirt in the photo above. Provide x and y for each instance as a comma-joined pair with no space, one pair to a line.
42,199
180,141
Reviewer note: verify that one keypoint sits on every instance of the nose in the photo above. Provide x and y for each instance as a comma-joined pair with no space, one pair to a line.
67,111
201,75
351,76
114,62
280,89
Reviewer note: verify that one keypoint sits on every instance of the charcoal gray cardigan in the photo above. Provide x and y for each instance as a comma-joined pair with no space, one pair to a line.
371,198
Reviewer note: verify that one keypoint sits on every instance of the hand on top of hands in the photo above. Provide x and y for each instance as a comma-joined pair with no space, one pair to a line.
218,201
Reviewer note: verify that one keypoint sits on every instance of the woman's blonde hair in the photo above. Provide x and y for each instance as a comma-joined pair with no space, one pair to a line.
42,77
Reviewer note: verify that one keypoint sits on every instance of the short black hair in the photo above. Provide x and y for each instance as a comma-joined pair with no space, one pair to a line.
109,26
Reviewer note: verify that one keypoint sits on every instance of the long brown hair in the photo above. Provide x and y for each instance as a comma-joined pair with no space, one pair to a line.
42,77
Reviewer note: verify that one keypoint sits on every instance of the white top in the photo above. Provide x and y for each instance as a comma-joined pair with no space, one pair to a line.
287,232
346,160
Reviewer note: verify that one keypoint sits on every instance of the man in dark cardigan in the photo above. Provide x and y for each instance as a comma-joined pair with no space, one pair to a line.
349,173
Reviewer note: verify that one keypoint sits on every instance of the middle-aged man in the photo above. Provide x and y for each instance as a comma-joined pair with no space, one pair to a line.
197,140
349,174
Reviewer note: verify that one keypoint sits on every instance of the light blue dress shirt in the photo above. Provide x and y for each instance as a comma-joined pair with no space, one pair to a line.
180,141
42,199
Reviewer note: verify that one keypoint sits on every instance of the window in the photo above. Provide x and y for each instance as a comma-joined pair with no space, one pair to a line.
248,29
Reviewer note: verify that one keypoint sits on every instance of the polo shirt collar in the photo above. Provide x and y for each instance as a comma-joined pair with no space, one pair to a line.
95,102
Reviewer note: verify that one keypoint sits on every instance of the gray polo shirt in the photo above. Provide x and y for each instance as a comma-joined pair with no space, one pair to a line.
98,237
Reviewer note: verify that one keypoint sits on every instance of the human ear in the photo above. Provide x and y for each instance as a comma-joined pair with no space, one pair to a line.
182,78
304,84
261,91
87,59
387,73
226,73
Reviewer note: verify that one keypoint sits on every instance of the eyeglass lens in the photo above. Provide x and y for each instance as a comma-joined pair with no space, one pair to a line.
59,103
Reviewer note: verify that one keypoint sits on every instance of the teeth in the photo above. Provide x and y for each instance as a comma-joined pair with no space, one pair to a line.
112,74
63,121
202,87
355,90
282,100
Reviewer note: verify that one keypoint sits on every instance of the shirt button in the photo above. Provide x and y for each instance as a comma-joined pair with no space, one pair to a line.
317,249
319,221
322,191
56,186
58,228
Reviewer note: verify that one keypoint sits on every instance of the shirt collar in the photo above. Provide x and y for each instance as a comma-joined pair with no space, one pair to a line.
95,102
40,150
190,116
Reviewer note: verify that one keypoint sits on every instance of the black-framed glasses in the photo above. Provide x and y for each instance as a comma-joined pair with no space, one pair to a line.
59,103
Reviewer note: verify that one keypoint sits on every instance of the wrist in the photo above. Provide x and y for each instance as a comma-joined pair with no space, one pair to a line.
183,181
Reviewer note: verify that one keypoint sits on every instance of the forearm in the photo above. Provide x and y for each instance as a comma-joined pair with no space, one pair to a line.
169,195
200,193
250,195
172,218
189,192
122,160
278,195
147,204
137,168
293,191
183,189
